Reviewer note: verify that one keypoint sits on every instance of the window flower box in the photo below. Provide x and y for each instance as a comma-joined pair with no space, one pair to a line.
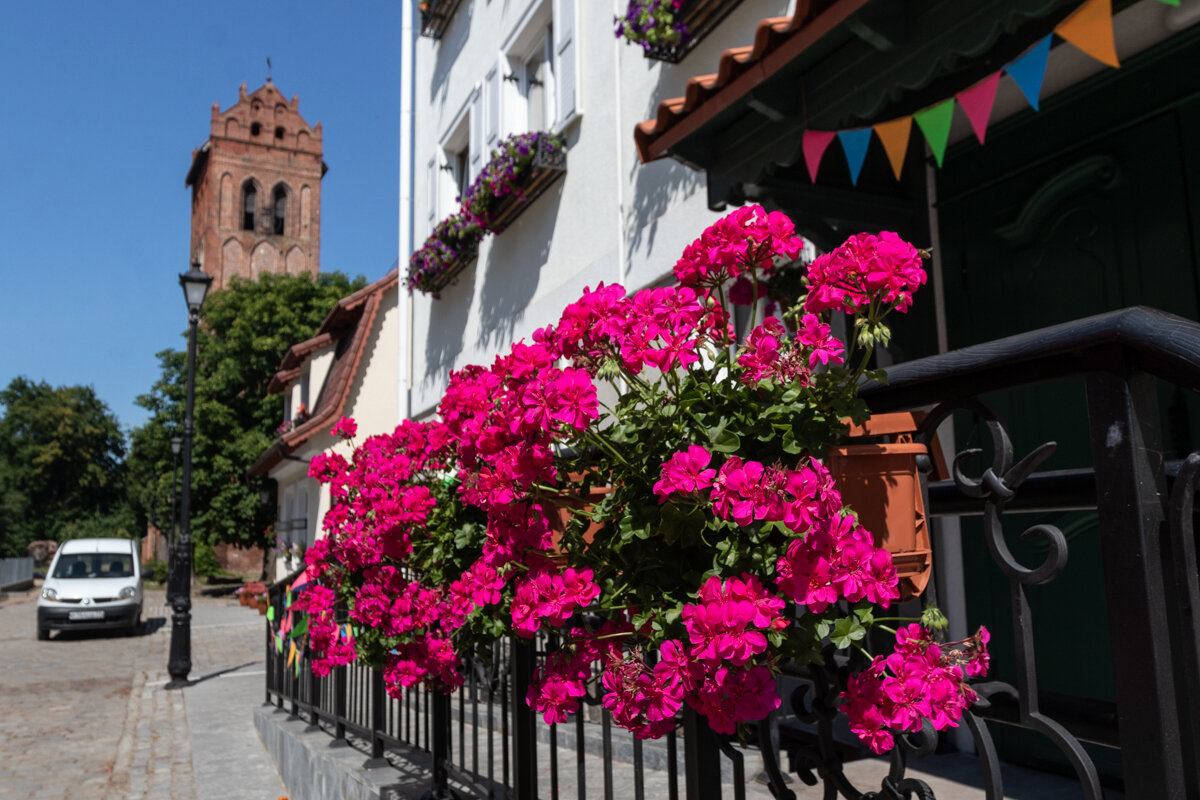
519,170
436,16
449,250
667,30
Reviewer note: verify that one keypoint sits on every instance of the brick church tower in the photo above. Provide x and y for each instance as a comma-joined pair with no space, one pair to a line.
256,189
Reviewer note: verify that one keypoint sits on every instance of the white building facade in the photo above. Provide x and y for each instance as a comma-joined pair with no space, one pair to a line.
503,67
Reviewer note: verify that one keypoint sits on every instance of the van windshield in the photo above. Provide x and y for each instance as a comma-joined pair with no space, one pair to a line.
94,565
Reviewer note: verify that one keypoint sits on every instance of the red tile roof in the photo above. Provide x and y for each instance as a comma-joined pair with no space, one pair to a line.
349,324
777,41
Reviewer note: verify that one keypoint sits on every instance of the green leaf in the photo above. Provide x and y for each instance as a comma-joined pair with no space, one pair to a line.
847,631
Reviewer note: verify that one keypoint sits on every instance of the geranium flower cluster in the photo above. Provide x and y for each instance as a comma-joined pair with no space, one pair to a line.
749,239
867,268
440,534
920,680
770,355
652,23
834,559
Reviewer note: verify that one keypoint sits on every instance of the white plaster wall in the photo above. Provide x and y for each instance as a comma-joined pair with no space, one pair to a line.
609,219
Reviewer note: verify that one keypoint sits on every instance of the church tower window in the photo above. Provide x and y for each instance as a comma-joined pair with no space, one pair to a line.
249,205
279,207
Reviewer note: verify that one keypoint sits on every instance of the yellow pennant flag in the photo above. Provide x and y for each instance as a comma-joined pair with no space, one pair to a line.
291,653
1090,29
894,136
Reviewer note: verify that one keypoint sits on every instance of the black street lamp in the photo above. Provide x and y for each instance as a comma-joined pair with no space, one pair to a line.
176,446
195,285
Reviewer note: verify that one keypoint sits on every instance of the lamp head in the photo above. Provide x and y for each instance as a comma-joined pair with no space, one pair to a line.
176,444
195,285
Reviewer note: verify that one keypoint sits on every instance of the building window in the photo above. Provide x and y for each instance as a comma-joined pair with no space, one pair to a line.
537,85
461,170
279,209
255,129
249,205
279,132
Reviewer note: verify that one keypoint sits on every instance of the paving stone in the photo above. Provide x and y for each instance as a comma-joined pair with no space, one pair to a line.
87,715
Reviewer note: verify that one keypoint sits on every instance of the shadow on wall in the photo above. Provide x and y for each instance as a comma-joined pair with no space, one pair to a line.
449,47
514,266
656,188
446,325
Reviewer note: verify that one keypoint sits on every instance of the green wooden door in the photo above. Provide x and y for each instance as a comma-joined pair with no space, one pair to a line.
1064,214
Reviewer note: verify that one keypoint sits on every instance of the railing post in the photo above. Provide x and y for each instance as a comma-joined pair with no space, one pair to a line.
701,758
524,734
339,702
440,747
1131,489
377,713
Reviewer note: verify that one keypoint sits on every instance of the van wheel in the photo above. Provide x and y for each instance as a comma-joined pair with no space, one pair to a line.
43,634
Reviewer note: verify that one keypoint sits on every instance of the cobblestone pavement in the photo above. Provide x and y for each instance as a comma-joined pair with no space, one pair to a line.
85,715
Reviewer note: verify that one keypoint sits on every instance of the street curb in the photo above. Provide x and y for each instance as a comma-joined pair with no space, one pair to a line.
314,767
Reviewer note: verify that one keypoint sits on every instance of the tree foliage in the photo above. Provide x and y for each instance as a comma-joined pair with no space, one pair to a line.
61,470
244,332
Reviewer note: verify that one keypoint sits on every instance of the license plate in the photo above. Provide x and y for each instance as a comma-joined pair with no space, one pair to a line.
85,615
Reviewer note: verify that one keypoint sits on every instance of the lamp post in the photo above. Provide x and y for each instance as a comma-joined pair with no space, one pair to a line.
195,285
173,534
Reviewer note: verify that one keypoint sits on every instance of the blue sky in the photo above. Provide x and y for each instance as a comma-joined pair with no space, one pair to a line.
100,107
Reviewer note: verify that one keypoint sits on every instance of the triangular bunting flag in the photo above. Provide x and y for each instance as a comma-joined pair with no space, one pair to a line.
270,613
855,143
1090,29
894,137
935,124
291,656
977,102
1171,2
814,144
1029,70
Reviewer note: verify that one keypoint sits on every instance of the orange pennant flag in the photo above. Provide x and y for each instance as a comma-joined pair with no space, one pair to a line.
1090,29
894,136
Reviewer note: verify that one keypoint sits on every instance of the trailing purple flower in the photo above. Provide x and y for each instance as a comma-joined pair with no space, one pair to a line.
652,23
432,267
505,174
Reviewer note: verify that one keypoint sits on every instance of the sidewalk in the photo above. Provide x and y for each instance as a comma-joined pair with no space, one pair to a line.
216,711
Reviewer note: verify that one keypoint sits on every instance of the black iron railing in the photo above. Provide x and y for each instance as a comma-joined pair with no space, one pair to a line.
484,741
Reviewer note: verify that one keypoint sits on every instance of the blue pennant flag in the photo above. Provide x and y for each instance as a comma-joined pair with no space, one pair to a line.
1029,70
855,143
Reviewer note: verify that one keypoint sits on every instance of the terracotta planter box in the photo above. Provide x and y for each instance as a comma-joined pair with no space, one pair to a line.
559,515
880,481
700,17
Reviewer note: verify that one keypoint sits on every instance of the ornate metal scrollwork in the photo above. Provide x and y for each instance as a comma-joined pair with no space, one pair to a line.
816,700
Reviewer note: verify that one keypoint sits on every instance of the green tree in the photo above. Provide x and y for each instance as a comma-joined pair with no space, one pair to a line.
244,332
61,470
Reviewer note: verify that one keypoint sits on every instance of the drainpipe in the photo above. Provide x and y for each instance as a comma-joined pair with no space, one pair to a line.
408,43
947,531
622,266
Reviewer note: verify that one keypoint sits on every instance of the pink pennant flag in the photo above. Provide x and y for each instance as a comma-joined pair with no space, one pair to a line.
815,143
977,101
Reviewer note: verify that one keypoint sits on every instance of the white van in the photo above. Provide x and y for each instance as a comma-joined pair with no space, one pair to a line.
92,583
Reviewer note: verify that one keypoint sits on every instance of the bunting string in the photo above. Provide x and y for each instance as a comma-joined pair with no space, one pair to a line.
1089,29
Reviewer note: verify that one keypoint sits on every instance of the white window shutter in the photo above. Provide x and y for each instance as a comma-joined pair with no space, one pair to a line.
492,103
476,128
432,186
566,55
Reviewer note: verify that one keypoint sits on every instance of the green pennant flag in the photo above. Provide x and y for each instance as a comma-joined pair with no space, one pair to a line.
935,124
270,613
278,644
299,629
